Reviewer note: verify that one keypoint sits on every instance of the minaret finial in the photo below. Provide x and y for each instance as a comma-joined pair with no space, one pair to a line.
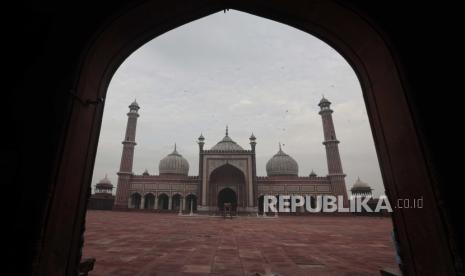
175,146
227,132
279,143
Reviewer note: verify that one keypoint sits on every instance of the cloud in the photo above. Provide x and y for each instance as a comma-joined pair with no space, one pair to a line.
250,73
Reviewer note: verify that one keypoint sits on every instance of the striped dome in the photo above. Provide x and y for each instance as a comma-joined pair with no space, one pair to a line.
227,144
104,183
282,164
360,184
174,163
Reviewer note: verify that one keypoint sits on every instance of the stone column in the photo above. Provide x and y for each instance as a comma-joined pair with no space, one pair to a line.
184,203
170,203
130,202
142,202
155,203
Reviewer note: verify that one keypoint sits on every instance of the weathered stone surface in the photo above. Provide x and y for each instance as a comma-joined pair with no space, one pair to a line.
128,243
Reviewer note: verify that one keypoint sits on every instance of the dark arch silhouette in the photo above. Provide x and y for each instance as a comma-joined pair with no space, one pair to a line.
191,202
163,201
227,175
227,195
136,199
344,28
176,202
149,201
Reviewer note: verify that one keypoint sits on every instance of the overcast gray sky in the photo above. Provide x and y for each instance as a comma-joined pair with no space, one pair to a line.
250,73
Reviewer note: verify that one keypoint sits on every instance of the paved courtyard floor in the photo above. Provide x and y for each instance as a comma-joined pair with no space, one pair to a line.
131,243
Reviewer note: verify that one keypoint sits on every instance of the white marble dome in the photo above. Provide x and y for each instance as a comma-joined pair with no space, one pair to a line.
174,163
282,164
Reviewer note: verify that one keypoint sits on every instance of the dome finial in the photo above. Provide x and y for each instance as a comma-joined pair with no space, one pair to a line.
175,151
324,102
279,143
134,105
227,132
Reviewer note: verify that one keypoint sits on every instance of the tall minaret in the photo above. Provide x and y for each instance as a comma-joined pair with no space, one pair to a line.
335,173
201,142
253,144
125,169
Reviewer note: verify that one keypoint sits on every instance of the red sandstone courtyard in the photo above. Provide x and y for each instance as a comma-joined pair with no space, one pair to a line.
132,243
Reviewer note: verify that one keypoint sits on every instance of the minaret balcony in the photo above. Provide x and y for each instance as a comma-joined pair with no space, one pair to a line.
325,111
334,141
129,143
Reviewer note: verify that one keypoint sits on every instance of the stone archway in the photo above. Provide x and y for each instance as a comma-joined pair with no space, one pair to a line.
136,199
163,202
227,177
176,202
149,202
191,203
352,34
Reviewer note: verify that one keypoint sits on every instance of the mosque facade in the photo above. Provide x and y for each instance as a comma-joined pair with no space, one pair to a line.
227,174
